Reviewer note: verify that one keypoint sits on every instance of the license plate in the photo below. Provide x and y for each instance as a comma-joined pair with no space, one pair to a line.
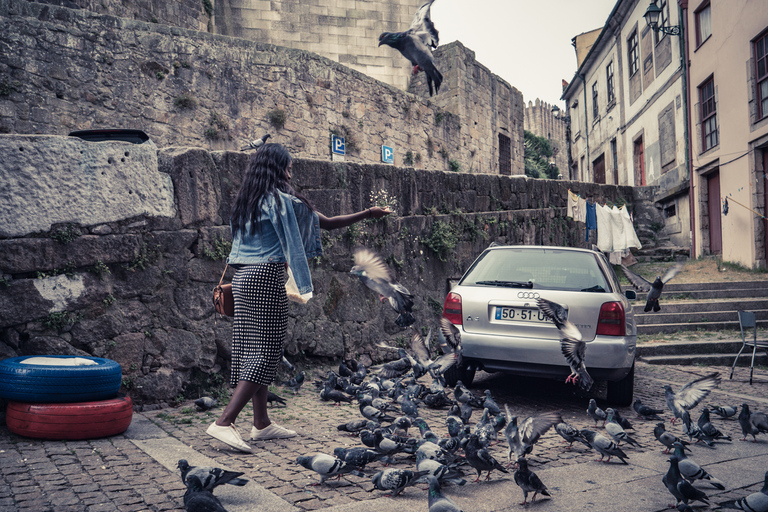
506,313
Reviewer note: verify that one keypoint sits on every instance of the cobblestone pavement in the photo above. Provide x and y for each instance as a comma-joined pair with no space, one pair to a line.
114,475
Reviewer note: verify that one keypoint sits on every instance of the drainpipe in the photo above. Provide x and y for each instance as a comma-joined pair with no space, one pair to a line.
586,122
682,9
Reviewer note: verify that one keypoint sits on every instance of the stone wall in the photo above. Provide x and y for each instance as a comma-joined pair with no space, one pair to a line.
541,121
136,287
64,69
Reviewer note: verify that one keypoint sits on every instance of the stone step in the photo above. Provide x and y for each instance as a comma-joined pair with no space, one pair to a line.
694,317
725,293
673,287
709,359
703,306
676,348
658,328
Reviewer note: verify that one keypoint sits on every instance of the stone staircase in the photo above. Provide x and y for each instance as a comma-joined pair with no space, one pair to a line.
707,307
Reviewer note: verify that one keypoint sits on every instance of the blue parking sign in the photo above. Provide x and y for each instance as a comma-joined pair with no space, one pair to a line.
387,155
338,146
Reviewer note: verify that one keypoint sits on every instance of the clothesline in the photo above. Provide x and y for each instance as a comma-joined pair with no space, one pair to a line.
615,232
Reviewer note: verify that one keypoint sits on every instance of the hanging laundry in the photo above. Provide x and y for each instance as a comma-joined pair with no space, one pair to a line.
604,228
591,219
630,235
577,207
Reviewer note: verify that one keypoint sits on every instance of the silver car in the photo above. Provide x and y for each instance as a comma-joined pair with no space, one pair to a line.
502,329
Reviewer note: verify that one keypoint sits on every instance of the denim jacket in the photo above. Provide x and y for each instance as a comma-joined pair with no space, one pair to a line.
288,232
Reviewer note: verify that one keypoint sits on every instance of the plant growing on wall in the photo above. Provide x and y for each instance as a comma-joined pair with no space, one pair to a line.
218,250
208,7
216,125
454,165
538,154
277,118
442,239
185,101
65,234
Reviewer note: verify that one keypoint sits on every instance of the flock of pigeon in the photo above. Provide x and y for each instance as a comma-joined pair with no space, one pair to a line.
392,432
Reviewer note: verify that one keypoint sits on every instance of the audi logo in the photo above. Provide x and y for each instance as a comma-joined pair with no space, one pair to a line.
528,295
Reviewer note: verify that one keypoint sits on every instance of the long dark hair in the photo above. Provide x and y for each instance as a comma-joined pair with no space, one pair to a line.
266,175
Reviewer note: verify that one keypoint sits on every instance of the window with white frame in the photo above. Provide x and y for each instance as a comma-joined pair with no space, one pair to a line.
609,83
761,74
595,108
633,54
709,132
663,20
703,17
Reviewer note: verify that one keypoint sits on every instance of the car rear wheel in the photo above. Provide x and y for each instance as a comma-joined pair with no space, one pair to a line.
620,392
463,373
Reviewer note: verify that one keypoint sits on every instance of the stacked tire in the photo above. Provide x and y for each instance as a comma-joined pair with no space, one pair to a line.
61,401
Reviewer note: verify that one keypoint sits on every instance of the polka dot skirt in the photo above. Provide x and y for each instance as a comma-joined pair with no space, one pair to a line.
261,321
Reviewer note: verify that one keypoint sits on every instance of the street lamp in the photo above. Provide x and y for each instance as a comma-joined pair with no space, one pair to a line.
652,15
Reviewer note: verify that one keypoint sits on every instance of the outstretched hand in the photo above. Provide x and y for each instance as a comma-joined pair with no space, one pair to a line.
378,212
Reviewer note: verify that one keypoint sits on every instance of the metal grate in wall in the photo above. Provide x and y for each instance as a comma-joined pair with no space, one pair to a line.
505,155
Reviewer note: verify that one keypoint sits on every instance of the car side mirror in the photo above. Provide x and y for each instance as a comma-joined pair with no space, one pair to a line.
631,295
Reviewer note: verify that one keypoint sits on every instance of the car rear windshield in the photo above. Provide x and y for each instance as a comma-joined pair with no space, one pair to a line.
551,269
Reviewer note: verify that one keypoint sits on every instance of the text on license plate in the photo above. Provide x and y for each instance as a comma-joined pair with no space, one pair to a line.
520,314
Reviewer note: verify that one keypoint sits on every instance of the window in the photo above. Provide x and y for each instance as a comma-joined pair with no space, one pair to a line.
708,115
633,53
615,162
703,22
505,155
609,82
761,74
663,20
595,109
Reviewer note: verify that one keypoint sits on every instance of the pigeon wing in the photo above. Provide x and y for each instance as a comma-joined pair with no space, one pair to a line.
697,390
534,427
451,333
373,266
423,27
672,272
420,349
574,352
638,282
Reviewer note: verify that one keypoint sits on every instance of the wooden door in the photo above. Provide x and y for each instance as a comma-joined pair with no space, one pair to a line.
765,203
639,161
599,166
715,211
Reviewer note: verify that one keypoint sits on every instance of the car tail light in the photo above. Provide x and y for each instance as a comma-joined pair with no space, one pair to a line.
452,308
611,321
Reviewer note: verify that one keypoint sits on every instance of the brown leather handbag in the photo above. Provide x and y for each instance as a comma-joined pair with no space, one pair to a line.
223,300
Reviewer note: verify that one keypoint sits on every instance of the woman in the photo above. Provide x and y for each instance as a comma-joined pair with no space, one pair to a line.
272,227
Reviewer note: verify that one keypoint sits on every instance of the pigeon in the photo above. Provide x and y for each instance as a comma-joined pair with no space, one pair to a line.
443,472
479,458
490,404
437,400
354,425
693,431
210,478
295,383
198,499
690,470
645,412
439,502
397,368
288,364
461,393
395,479
679,487
667,438
708,430
690,395
275,399
522,438
616,431
603,445
724,412
595,412
389,446
528,481
755,502
653,289
409,407
752,423
374,414
205,403
569,433
572,345
334,395
327,466
360,456
624,422
256,144
374,274
416,45
450,345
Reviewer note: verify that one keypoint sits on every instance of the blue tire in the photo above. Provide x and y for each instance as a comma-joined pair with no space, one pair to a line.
59,384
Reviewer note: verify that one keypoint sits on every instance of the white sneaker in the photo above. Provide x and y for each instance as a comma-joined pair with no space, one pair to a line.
230,436
271,431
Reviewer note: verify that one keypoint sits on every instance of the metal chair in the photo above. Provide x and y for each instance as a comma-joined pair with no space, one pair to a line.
748,321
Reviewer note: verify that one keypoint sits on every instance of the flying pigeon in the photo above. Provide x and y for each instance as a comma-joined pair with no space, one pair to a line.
372,271
595,412
679,487
327,466
571,343
690,470
528,481
205,403
197,499
667,438
616,431
288,364
755,502
395,479
690,395
603,445
522,438
645,412
256,144
437,501
752,423
653,289
416,45
209,478
724,412
295,383
479,458
450,337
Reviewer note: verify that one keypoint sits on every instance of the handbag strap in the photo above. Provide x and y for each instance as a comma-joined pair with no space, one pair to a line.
222,274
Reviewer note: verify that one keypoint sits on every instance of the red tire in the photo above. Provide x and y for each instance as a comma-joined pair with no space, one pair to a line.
80,420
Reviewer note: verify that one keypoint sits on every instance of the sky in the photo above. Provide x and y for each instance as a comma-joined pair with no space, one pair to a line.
525,42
